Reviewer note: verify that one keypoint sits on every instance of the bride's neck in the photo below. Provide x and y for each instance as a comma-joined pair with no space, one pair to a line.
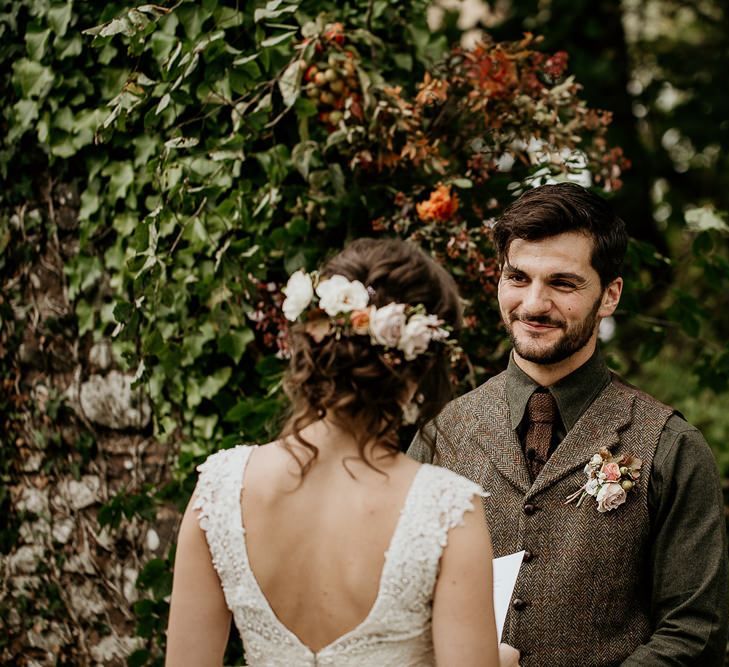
335,442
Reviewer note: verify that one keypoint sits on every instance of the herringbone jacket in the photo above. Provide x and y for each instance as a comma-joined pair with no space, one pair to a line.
582,595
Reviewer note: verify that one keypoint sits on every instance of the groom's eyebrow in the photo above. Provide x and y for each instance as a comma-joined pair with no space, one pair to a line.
566,275
511,268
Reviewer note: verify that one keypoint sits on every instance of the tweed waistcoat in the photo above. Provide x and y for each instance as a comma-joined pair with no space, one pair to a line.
582,595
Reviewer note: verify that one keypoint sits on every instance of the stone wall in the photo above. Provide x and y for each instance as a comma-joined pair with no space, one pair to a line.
80,435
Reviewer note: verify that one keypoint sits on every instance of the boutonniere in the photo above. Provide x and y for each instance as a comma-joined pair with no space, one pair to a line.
609,479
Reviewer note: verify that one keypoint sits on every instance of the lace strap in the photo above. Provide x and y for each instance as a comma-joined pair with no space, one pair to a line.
451,496
436,505
218,503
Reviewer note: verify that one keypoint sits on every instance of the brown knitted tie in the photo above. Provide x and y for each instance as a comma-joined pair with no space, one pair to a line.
541,411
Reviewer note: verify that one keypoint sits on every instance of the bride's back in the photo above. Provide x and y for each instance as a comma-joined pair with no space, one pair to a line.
366,334
370,348
316,543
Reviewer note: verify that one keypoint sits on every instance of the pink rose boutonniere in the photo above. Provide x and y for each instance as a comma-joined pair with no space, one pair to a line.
609,479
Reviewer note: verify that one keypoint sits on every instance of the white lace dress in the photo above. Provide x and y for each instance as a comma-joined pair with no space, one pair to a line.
397,630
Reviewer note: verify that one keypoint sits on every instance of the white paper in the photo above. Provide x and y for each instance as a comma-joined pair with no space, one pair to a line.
506,570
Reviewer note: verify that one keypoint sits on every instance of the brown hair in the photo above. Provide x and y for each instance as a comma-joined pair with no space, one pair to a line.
565,207
353,382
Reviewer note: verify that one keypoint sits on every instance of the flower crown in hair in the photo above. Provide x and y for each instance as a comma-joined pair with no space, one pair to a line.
340,307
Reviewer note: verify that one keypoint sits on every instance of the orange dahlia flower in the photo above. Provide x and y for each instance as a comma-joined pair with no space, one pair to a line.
440,207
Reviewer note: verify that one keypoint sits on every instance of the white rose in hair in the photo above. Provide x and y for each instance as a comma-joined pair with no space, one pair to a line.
417,334
387,323
299,292
339,295
609,497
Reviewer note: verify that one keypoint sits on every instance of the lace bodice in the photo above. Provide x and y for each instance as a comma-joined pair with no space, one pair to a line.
397,630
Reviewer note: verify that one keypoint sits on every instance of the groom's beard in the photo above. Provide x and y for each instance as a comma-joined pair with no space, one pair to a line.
574,337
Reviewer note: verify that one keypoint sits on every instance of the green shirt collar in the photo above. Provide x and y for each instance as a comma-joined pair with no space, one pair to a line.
573,393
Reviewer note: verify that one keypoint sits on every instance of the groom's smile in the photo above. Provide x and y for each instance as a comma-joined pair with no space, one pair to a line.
536,324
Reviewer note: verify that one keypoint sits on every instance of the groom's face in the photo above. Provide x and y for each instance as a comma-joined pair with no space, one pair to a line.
550,297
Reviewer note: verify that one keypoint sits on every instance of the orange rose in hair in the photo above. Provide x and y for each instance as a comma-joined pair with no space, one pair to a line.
360,321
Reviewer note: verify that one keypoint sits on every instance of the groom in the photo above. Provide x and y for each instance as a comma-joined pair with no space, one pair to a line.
636,577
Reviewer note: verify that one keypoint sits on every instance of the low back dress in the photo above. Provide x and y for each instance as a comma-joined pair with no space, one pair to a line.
397,630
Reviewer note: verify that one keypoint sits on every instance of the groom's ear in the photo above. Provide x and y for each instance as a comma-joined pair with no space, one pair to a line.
611,298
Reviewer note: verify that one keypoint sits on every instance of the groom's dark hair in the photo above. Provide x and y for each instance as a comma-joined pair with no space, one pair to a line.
549,210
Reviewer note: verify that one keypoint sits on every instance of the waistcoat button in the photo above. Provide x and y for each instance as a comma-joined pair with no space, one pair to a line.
518,604
529,509
528,555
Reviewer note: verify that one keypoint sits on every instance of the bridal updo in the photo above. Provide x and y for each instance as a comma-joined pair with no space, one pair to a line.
360,386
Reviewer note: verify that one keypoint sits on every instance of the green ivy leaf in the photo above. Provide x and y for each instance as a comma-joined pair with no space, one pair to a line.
90,203
86,317
59,17
234,343
123,312
121,177
69,48
157,577
192,19
34,79
36,42
25,113
204,426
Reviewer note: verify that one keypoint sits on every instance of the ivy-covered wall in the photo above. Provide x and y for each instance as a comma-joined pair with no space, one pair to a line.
164,168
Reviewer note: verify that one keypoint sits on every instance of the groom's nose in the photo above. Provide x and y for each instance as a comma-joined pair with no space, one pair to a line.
536,299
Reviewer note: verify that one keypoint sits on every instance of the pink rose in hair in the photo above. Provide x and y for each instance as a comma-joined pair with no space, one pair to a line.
611,472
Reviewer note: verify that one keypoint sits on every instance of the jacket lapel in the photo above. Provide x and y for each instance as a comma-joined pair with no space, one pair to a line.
599,426
498,439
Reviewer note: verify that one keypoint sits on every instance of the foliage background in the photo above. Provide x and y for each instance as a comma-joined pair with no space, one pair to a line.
163,173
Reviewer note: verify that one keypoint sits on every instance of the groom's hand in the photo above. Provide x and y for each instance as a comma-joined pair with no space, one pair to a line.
508,656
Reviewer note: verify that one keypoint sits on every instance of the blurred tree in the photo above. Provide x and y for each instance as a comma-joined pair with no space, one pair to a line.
679,53
592,34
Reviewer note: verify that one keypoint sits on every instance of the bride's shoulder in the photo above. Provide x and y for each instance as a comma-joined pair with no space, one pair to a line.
224,458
